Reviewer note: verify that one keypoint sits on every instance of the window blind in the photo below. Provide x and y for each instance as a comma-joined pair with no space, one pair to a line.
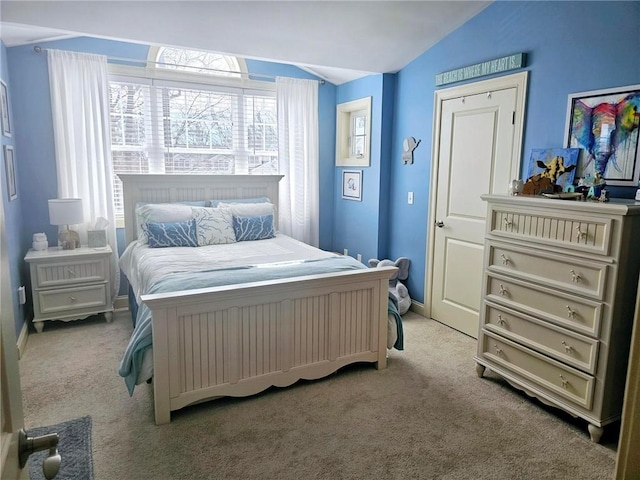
160,126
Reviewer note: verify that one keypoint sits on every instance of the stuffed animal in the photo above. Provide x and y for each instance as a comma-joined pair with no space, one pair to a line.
396,288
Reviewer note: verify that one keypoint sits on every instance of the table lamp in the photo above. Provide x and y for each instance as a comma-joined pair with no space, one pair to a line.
66,211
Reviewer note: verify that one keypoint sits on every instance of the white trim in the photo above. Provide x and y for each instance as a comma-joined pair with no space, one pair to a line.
418,308
517,81
22,339
121,302
343,133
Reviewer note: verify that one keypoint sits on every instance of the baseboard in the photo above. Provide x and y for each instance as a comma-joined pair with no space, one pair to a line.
22,339
121,303
418,308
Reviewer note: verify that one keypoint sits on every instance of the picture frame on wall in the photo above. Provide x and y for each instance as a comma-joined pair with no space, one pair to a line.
352,184
4,109
604,125
10,170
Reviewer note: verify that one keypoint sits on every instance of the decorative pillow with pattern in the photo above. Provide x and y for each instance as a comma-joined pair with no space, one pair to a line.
178,234
253,228
214,226
160,213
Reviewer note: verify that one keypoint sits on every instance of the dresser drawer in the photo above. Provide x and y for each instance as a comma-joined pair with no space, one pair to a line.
65,272
70,300
548,269
534,367
569,347
582,233
575,313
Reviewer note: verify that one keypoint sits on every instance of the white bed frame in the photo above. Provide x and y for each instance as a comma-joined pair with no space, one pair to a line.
239,340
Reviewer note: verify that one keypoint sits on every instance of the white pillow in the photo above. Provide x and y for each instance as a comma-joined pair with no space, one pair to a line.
214,226
249,209
160,213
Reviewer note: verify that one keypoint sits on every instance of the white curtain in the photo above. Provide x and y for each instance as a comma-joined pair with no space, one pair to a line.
298,158
80,108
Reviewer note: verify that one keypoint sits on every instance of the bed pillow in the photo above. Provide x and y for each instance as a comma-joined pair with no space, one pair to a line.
177,234
214,203
253,228
160,213
249,209
214,226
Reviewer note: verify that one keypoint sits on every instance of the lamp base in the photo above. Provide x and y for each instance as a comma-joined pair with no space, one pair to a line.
68,240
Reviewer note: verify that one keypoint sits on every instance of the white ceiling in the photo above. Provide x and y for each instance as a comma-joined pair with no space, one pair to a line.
337,40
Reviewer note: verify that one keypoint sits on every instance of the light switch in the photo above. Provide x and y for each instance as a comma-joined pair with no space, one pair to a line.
410,198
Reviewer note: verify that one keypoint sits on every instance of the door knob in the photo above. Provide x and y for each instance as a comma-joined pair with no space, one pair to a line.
439,224
28,445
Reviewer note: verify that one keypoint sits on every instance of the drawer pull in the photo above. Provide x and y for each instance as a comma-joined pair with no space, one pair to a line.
498,350
505,259
508,223
71,272
72,299
564,382
567,348
504,292
571,313
580,234
575,277
501,320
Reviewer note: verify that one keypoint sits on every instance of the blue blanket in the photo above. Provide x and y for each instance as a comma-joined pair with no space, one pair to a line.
141,338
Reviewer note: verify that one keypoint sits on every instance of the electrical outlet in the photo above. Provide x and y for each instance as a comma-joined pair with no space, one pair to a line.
359,257
410,198
22,296
346,252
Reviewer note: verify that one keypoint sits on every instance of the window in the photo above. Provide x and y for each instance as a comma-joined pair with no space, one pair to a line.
353,133
191,123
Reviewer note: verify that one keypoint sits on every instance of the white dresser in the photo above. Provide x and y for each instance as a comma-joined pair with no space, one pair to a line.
560,282
70,284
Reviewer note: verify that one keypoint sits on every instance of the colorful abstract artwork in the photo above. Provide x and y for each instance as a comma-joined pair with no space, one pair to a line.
604,124
558,163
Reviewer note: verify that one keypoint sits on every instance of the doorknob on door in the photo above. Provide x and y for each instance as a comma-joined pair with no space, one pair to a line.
439,224
28,445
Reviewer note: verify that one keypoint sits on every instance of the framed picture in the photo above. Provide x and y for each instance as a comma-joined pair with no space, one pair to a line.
352,184
4,105
604,125
10,169
561,160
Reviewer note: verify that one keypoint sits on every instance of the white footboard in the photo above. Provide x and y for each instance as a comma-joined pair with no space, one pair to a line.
239,340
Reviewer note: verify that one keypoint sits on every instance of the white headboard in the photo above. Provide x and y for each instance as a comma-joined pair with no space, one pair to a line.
167,188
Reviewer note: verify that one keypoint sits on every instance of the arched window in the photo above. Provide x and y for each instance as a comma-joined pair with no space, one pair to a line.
192,112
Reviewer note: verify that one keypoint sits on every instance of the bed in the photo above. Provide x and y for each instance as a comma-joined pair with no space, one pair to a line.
259,331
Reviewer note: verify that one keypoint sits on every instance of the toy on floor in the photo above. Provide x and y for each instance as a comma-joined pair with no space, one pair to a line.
396,288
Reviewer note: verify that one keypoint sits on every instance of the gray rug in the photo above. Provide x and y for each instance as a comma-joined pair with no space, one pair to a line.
74,446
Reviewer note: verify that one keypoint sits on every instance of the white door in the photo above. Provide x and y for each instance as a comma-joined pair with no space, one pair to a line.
11,406
477,151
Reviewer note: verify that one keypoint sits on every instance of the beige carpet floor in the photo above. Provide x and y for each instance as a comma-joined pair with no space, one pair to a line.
426,416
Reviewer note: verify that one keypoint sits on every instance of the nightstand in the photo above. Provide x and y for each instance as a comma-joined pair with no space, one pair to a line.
70,284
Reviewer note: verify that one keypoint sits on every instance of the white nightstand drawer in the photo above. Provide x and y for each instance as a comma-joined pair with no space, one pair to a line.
59,273
72,299
553,376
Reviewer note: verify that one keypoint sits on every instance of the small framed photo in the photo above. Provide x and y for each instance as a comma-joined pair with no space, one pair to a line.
352,184
4,104
10,169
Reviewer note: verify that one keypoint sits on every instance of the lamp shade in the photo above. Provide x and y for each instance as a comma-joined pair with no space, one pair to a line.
66,211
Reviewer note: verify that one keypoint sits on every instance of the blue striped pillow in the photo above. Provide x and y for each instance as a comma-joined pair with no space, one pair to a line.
178,234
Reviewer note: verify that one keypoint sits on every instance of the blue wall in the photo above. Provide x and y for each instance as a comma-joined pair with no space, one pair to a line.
571,47
13,209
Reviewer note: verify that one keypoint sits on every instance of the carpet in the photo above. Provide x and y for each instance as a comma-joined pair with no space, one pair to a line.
74,446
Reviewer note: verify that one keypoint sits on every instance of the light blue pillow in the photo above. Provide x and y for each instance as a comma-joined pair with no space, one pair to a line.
253,228
214,203
178,234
